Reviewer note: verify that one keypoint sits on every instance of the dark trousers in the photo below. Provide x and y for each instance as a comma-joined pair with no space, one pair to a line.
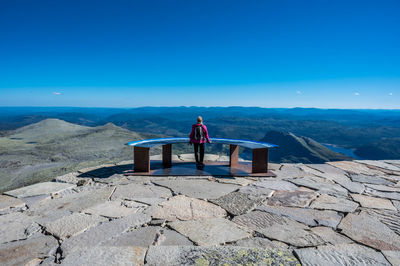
196,150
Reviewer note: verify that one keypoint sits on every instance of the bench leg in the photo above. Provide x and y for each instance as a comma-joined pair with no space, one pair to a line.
234,156
141,159
167,155
260,160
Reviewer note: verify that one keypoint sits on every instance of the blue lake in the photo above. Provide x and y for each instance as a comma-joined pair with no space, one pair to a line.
348,152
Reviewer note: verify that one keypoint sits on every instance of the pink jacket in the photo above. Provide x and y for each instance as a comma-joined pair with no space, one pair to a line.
192,140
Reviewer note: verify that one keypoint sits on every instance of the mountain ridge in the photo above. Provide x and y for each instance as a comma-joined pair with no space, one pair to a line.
52,147
299,149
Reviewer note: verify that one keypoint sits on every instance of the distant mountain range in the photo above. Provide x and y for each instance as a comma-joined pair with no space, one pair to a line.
37,143
52,147
299,149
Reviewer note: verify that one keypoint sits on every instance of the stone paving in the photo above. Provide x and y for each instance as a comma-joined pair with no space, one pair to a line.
339,213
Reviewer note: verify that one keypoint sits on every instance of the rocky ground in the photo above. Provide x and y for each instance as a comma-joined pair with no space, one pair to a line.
339,213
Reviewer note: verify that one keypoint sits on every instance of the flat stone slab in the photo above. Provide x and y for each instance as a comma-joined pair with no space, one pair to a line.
39,189
334,174
296,198
338,255
147,236
235,181
354,167
392,256
380,164
16,226
7,202
103,232
370,179
393,162
384,188
345,182
370,231
111,209
183,208
279,228
200,189
148,201
288,171
326,202
322,185
107,256
307,216
53,209
324,168
225,255
330,236
28,251
140,190
255,191
373,202
390,218
238,203
383,194
72,225
276,185
210,232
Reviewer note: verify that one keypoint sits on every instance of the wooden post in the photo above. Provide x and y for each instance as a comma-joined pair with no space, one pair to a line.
260,160
141,158
167,155
234,156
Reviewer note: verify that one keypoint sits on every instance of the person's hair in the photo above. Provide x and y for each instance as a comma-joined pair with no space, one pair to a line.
199,119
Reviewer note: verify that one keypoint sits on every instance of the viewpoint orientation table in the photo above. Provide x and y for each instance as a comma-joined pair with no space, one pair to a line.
141,152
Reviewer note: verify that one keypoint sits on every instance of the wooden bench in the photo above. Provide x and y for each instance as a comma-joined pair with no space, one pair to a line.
141,152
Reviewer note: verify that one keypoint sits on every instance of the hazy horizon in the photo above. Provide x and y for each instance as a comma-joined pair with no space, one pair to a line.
197,106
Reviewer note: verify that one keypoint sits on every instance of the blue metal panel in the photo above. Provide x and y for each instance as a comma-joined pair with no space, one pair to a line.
148,143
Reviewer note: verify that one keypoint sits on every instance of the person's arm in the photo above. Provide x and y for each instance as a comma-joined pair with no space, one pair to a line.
206,133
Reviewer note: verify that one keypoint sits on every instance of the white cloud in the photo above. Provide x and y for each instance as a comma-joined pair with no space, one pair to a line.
298,92
57,93
391,94
357,94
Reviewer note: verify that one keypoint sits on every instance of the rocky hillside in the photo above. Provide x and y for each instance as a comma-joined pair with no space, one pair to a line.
299,149
340,213
51,147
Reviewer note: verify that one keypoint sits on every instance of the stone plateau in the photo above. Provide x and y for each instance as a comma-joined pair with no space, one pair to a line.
341,213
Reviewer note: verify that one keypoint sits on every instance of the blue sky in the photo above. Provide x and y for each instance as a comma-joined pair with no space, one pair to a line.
328,54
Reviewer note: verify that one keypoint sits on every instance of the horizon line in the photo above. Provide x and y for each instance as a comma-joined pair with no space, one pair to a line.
197,106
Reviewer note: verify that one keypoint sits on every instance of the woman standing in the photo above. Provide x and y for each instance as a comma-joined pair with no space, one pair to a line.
198,137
